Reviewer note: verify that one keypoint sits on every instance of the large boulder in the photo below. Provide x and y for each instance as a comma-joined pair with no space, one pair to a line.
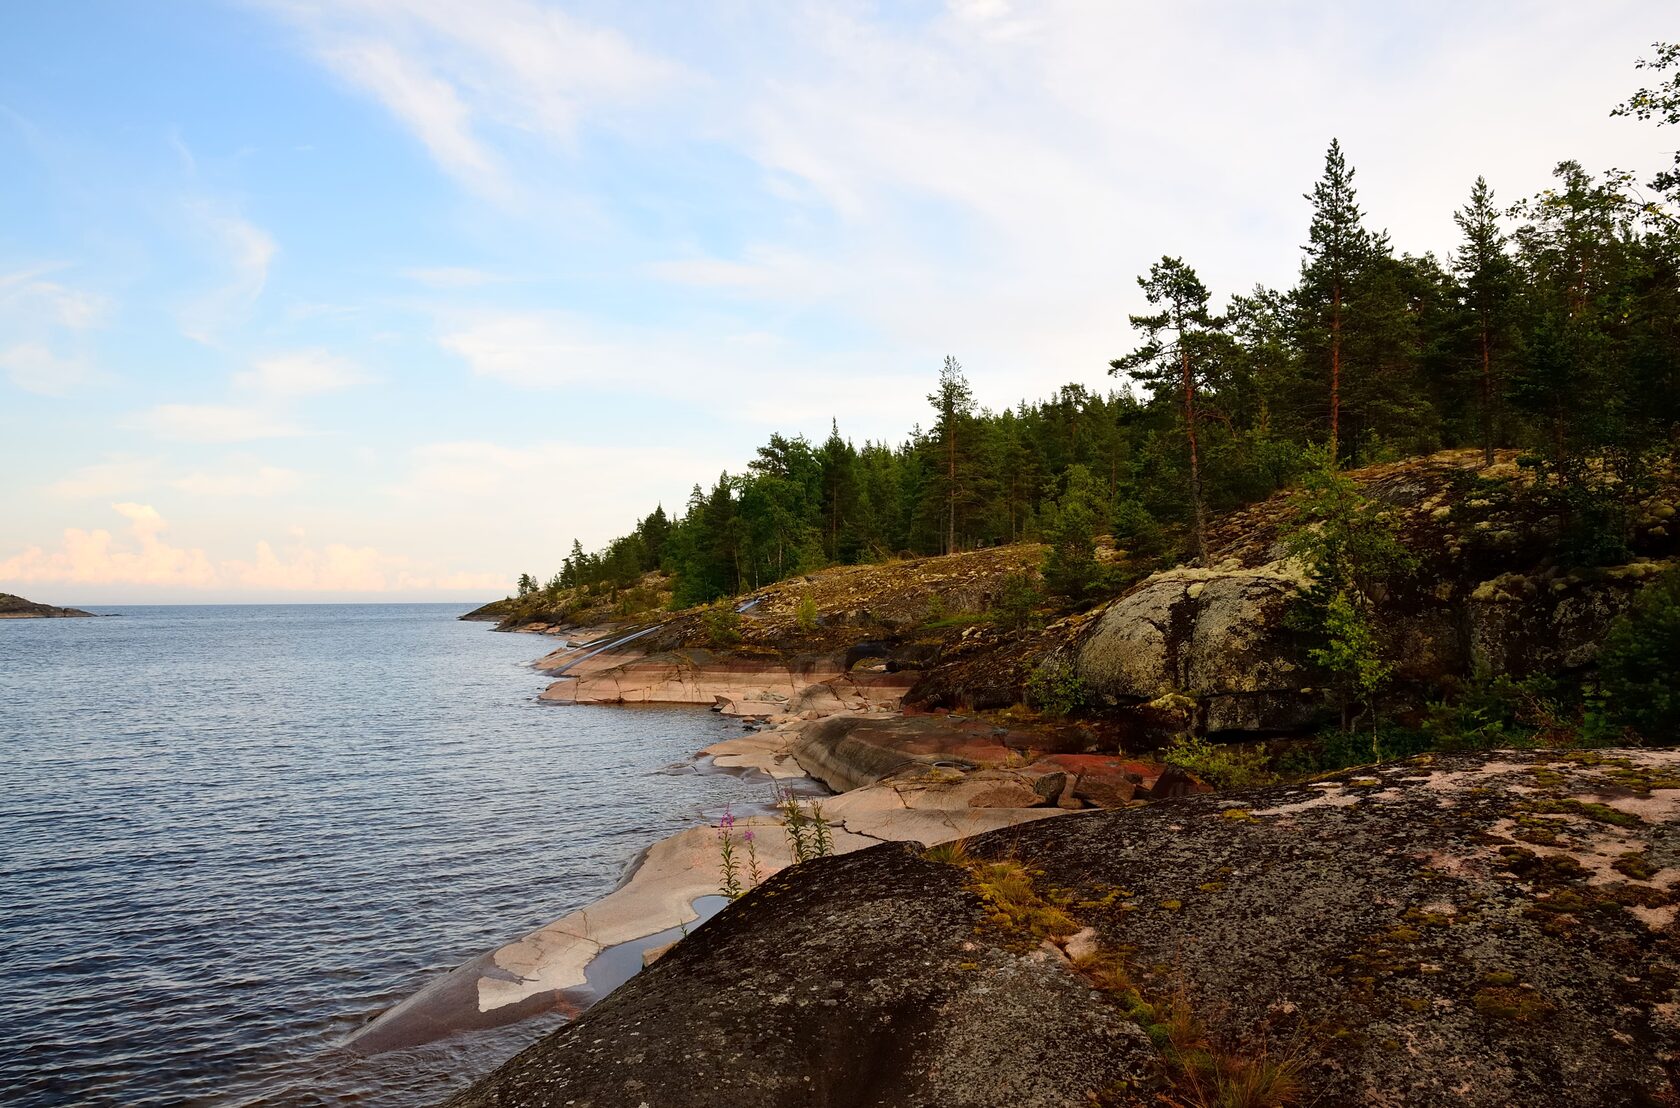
1480,930
1219,636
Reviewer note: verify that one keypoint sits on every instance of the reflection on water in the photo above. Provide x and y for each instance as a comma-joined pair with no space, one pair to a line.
230,835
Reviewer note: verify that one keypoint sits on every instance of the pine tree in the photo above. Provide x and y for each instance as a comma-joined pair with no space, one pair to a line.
1180,343
1337,252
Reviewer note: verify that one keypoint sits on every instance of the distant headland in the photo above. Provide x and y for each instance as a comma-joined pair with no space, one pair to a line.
16,607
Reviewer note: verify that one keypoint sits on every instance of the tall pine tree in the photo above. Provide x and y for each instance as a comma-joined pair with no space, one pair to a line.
1337,252
1180,345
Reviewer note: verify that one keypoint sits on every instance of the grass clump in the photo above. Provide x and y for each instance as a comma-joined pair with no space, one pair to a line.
1224,766
1012,903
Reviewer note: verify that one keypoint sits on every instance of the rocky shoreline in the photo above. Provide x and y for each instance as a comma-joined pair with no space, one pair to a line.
921,779
1485,929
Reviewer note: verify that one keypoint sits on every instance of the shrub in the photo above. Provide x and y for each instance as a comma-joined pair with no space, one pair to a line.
1639,665
722,624
806,614
1055,689
1018,597
1220,765
1351,547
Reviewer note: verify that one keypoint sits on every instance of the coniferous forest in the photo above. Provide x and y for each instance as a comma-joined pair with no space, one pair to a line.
1552,327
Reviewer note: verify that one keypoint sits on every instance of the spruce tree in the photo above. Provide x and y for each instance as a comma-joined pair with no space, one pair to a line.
954,403
1484,273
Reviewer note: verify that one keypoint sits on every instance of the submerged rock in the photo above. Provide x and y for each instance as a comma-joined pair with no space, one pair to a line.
1467,930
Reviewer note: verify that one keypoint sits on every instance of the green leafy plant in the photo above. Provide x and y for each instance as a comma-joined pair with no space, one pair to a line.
806,614
1221,765
1352,551
1639,664
1056,689
808,833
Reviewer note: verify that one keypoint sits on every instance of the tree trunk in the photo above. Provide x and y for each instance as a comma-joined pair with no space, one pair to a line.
1487,397
1195,460
1335,370
951,486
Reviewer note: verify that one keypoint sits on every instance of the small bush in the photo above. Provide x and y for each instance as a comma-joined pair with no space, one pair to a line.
1639,665
722,624
1055,689
1018,598
806,614
1220,765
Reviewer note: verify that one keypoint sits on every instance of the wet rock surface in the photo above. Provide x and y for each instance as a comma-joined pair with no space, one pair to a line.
1487,929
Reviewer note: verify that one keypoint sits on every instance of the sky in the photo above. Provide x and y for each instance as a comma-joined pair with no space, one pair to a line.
393,299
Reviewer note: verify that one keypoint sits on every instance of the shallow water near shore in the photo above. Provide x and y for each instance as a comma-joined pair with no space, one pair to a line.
231,835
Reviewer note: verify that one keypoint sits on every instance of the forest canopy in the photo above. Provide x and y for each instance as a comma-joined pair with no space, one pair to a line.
1553,326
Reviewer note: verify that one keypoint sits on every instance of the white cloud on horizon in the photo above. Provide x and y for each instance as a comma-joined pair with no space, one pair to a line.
143,557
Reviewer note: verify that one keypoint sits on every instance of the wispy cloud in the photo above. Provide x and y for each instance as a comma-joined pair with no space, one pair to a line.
430,106
243,252
257,481
35,367
448,71
26,294
104,480
301,373
451,276
213,423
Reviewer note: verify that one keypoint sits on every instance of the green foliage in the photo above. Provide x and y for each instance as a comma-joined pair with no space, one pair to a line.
1017,601
1220,765
1550,328
1350,546
1347,541
1070,530
1350,650
722,625
1056,689
806,614
808,832
1639,665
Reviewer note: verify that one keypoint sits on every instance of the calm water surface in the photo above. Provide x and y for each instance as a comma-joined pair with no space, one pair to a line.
230,835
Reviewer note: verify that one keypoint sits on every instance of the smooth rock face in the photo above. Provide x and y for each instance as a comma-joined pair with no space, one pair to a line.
1483,930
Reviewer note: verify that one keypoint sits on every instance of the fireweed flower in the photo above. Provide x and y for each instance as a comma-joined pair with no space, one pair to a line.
728,866
754,871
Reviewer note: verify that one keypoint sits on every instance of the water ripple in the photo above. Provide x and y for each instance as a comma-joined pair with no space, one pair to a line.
230,835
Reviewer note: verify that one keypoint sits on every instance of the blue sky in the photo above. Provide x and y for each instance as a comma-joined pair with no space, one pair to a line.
368,299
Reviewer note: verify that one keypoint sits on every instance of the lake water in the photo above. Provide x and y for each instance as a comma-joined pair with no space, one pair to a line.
231,835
